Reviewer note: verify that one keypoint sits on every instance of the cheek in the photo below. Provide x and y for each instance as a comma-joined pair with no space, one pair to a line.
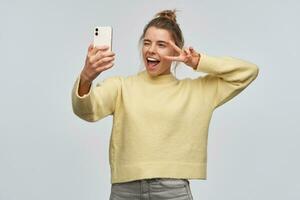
166,52
143,54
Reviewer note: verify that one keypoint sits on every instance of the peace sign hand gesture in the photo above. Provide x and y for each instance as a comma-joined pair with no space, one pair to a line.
188,55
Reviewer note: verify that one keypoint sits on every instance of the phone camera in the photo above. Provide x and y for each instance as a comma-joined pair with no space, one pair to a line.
96,33
96,29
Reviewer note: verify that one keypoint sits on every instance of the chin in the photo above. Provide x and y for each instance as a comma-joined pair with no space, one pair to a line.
152,73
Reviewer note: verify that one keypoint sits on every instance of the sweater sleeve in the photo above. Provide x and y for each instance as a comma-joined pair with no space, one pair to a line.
99,102
226,77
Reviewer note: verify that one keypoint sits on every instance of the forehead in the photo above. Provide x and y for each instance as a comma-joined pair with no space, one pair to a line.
155,34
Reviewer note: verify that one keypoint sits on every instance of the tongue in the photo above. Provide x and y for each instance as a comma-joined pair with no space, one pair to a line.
153,63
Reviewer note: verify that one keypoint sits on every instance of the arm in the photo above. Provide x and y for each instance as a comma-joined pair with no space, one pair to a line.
226,78
84,86
96,102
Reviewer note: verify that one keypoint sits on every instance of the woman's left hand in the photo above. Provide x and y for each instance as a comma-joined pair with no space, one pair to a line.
188,56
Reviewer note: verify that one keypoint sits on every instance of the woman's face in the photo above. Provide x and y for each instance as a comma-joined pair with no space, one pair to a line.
154,47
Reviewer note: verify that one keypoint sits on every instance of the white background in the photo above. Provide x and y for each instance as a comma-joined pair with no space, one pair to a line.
46,152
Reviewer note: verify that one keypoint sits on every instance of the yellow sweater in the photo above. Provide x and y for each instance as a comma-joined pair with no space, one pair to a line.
160,125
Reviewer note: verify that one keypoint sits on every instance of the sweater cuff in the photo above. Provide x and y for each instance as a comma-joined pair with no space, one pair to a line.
205,63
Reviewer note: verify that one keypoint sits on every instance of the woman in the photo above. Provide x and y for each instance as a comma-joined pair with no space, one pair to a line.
160,123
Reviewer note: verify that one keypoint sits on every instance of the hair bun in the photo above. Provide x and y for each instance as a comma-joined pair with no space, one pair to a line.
170,14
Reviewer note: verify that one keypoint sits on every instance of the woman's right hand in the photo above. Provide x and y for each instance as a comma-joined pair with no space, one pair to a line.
98,59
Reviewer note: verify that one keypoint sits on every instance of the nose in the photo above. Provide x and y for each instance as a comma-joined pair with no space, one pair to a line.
152,48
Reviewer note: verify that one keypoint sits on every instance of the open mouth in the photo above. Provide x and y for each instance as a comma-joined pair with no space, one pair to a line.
152,62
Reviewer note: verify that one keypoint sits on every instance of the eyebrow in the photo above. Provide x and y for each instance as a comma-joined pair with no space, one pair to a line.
159,41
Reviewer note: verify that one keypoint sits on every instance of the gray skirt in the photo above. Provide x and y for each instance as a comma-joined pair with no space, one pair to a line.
152,189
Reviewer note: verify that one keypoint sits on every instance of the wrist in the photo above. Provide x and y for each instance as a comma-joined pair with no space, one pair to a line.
84,79
197,60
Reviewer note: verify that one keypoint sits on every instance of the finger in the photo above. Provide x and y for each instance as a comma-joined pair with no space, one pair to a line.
102,61
105,54
172,58
105,67
102,47
192,50
99,48
99,55
175,46
186,52
189,52
187,55
91,46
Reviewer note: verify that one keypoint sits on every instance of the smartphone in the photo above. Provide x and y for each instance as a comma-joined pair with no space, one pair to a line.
103,36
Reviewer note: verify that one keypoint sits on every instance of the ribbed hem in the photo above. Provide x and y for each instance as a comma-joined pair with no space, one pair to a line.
204,63
125,173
